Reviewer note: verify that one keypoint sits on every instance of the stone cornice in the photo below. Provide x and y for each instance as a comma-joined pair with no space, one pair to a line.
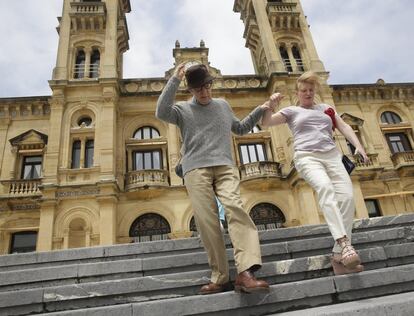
378,91
154,86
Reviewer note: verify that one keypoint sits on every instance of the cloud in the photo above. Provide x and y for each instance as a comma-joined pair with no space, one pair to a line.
358,41
361,41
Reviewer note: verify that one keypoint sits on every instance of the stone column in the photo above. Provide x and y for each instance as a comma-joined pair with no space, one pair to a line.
51,157
308,205
108,204
47,218
266,34
361,210
105,136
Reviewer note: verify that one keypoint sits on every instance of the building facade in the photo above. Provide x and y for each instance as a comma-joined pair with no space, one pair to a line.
91,165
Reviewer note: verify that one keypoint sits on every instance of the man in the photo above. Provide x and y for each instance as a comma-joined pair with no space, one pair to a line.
206,125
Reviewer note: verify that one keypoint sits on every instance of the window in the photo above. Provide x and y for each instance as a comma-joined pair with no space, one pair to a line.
267,216
94,66
398,142
147,160
23,242
373,208
76,153
32,167
82,157
146,132
298,58
256,129
85,120
79,71
252,153
149,227
89,146
285,57
390,118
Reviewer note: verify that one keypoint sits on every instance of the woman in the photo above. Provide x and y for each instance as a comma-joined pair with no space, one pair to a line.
319,162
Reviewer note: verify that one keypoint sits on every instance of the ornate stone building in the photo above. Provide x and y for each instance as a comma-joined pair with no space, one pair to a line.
91,165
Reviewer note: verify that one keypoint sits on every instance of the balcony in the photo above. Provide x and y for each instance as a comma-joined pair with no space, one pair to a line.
404,162
253,174
142,180
22,188
283,15
88,16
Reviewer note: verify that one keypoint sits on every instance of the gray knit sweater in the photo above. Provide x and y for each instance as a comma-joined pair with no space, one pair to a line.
205,129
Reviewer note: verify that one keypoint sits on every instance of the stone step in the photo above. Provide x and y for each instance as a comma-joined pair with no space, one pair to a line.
282,297
389,305
158,287
189,245
372,241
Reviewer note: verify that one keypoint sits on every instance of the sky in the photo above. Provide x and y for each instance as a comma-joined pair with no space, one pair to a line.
359,41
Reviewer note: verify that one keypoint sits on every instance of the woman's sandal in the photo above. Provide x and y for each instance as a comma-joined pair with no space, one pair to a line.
339,268
350,259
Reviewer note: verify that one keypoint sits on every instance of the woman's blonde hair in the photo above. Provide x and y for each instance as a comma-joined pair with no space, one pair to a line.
309,77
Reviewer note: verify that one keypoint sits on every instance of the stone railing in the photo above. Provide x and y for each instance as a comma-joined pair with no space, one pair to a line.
260,169
22,187
155,85
88,7
146,178
274,6
361,165
403,159
88,15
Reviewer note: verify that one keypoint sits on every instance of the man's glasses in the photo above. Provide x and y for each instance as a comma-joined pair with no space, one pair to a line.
204,86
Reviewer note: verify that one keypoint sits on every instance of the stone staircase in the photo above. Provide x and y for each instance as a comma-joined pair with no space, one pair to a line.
163,277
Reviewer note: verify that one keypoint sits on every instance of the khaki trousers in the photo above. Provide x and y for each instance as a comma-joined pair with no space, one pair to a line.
203,185
326,174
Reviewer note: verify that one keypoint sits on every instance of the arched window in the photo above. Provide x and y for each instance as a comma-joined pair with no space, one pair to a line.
389,117
298,58
85,120
285,57
23,242
267,216
150,227
146,132
79,71
94,65
77,233
193,226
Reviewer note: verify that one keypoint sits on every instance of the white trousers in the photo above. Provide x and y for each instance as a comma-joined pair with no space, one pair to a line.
325,173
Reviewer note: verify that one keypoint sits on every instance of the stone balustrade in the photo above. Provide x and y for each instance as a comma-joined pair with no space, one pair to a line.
146,178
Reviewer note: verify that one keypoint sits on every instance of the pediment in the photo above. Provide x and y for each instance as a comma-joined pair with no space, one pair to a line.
31,137
352,120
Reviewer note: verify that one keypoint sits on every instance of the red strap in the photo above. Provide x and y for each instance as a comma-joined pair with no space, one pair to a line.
331,113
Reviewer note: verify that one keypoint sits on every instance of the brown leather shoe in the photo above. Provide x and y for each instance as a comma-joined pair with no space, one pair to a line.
247,283
212,288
